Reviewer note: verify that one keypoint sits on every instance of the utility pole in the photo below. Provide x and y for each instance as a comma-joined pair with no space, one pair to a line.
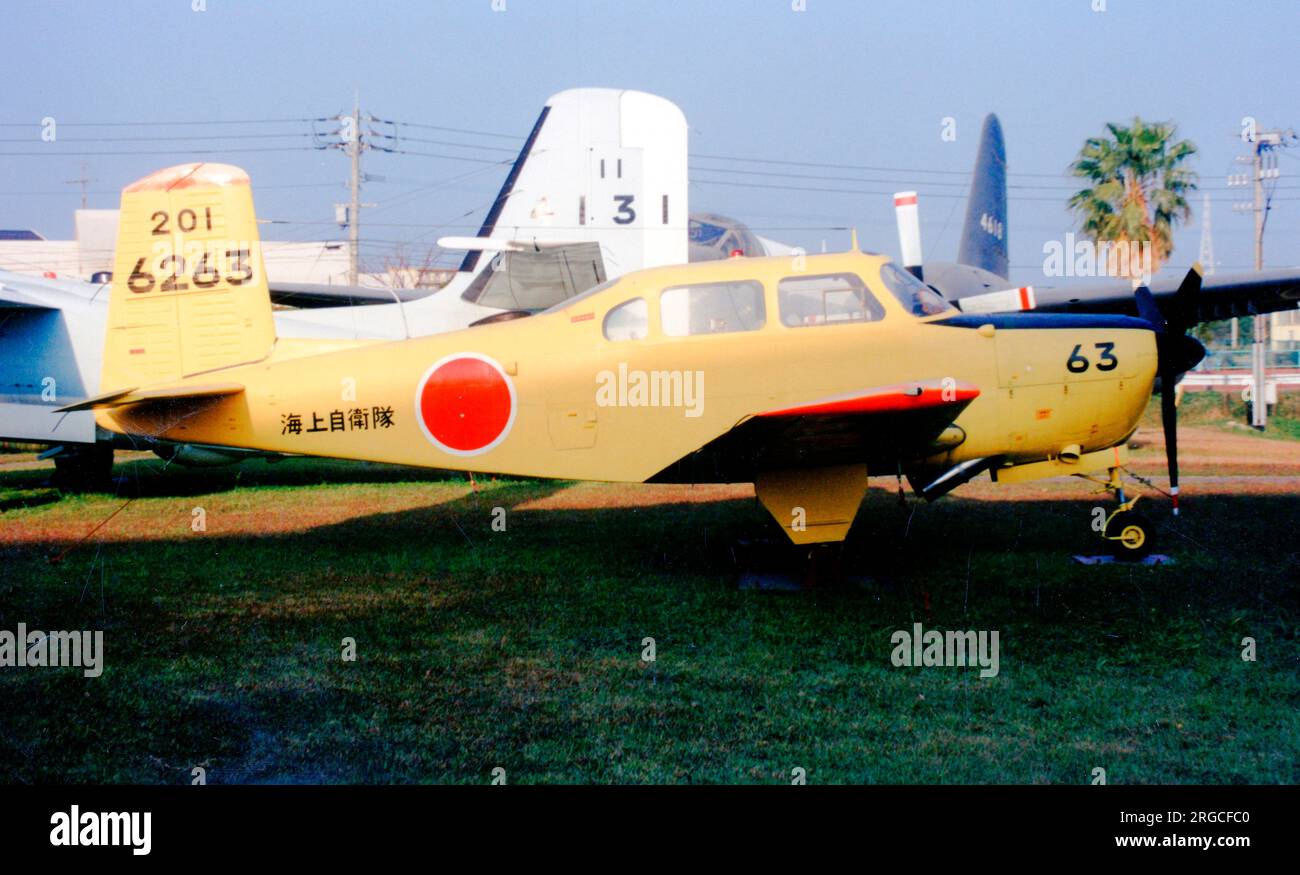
353,143
83,179
1263,163
354,211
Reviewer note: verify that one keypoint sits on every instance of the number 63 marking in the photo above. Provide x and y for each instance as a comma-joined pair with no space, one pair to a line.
1077,364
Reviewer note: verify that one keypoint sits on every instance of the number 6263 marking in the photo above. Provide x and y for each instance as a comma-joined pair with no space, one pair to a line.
202,272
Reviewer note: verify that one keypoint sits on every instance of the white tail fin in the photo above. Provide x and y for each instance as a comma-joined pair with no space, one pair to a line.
189,291
600,164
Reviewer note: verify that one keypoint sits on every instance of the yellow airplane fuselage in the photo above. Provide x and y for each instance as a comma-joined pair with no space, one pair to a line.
801,374
1031,405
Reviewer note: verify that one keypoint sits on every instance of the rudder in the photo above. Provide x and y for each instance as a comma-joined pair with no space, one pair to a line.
984,236
189,292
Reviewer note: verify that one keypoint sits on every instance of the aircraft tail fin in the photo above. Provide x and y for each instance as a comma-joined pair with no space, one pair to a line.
984,236
189,292
600,164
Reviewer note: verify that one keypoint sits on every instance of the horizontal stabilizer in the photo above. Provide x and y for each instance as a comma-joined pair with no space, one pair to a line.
121,398
311,295
11,298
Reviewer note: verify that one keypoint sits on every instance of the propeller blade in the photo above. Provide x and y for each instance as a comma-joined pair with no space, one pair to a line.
1169,419
1183,315
908,216
1149,311
1178,353
1188,355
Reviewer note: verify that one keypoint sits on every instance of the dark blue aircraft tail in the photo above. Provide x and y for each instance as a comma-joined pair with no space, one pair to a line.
984,237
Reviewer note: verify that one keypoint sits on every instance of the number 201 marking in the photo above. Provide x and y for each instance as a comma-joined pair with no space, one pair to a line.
1077,363
186,221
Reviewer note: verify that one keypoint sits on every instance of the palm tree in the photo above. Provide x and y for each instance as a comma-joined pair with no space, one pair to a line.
1137,187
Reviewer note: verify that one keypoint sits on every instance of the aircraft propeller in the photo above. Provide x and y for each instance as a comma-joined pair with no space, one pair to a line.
1178,353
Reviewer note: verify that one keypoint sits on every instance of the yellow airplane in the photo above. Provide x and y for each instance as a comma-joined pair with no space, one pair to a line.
803,375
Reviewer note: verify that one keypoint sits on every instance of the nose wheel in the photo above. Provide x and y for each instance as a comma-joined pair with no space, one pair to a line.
1129,535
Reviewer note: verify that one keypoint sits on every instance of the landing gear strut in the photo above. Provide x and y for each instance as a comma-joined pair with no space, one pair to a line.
1128,534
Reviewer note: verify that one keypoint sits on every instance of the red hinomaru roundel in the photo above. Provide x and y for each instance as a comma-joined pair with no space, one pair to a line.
465,404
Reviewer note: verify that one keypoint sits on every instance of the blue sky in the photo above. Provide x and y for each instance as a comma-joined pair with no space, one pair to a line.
859,83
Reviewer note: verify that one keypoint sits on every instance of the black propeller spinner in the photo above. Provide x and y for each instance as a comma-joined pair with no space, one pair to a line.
1178,353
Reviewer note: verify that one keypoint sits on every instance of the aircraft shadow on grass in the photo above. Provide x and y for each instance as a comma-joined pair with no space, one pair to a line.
155,478
1218,547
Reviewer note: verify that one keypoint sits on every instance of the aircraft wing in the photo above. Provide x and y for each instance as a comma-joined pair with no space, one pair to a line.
880,425
887,419
1221,296
311,295
17,293
11,299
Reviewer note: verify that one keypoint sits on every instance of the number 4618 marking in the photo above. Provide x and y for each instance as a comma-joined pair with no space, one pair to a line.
1078,363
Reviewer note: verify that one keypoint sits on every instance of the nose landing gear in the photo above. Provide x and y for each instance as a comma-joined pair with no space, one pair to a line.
1129,535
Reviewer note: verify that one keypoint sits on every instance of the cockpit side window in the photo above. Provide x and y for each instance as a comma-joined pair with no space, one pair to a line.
916,297
630,320
827,299
712,308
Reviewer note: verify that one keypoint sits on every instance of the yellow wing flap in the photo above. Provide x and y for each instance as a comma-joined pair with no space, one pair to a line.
121,398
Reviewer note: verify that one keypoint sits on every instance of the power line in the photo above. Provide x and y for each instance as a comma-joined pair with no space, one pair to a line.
1062,185
404,139
115,191
51,153
941,195
202,138
455,130
867,167
500,161
256,121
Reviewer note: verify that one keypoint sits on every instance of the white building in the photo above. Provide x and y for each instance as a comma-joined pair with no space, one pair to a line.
91,252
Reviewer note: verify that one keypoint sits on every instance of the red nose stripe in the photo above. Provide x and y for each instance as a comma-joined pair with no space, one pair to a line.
886,399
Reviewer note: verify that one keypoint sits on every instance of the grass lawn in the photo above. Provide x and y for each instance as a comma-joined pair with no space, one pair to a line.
522,649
